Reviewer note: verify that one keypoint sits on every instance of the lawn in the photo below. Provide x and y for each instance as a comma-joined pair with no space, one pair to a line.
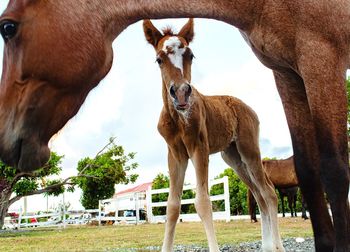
108,238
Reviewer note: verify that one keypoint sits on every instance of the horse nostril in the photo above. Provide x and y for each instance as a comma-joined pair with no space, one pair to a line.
172,91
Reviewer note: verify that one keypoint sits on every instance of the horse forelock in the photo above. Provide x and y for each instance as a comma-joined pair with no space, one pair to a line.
168,31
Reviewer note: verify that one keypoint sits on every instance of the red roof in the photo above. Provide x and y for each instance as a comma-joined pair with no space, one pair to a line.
139,188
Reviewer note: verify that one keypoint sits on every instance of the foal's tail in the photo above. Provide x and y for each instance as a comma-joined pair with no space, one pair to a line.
251,206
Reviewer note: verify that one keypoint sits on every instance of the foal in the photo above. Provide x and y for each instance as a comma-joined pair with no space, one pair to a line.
195,126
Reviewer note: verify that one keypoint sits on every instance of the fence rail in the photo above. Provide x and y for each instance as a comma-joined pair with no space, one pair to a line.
59,218
53,219
222,215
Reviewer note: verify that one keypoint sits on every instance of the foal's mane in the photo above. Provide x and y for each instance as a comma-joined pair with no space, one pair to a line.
168,31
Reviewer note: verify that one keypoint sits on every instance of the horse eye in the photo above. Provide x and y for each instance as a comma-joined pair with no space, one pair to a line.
192,56
159,61
8,29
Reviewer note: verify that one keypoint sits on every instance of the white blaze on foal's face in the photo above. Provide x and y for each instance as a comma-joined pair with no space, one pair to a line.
175,49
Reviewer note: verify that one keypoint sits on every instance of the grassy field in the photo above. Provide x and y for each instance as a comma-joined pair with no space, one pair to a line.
108,238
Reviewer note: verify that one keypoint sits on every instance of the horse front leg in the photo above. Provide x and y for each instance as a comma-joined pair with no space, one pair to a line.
177,169
295,203
292,92
323,71
291,204
282,202
251,206
303,208
203,206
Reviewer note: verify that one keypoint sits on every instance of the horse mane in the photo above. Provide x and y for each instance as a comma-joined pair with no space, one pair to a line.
168,31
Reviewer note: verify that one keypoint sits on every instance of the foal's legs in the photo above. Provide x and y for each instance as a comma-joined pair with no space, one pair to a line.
177,168
200,161
247,165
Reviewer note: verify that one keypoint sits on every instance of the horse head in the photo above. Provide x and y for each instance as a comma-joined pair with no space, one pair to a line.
46,44
174,58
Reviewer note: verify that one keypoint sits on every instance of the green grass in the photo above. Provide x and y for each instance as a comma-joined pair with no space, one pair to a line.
91,238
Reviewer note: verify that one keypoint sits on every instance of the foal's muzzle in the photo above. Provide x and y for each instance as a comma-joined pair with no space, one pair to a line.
181,95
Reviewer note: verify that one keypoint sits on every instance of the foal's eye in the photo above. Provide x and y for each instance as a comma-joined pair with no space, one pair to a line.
8,29
159,61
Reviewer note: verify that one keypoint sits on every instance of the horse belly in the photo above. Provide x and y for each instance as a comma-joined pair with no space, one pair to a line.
220,136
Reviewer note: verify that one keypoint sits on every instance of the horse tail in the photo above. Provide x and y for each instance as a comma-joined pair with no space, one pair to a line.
251,206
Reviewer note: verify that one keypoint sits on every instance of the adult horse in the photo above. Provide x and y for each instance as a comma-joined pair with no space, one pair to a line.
57,51
194,126
282,174
291,193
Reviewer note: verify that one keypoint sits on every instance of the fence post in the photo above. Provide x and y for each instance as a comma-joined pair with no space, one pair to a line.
227,199
136,197
64,211
19,218
116,211
149,205
99,212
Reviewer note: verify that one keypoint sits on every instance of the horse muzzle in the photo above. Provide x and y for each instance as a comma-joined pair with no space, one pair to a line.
181,96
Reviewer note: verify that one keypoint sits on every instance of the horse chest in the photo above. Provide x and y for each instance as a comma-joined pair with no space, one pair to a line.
178,129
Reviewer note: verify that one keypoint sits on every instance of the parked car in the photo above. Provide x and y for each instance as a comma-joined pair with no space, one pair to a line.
9,224
132,213
73,219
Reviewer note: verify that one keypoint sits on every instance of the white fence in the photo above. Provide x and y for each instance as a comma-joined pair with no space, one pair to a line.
222,215
59,218
137,208
25,221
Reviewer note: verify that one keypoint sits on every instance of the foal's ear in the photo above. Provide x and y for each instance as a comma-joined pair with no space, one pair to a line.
153,36
187,31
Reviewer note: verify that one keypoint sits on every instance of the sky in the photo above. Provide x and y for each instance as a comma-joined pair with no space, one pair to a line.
127,103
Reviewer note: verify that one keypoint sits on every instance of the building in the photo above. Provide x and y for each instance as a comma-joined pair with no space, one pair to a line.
132,198
135,195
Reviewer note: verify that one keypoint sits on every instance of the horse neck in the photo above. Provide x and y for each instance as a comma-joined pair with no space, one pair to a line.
120,13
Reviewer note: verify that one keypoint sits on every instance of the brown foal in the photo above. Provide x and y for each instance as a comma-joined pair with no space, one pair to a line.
195,126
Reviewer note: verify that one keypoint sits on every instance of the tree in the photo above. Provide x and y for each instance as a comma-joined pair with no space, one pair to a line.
159,182
238,193
105,170
162,181
99,175
26,184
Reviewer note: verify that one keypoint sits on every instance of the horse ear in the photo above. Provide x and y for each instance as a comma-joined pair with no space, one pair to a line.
187,32
152,34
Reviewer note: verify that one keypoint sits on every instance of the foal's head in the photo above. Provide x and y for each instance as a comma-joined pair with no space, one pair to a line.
174,58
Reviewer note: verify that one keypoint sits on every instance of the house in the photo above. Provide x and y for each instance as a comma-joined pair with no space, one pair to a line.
127,199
